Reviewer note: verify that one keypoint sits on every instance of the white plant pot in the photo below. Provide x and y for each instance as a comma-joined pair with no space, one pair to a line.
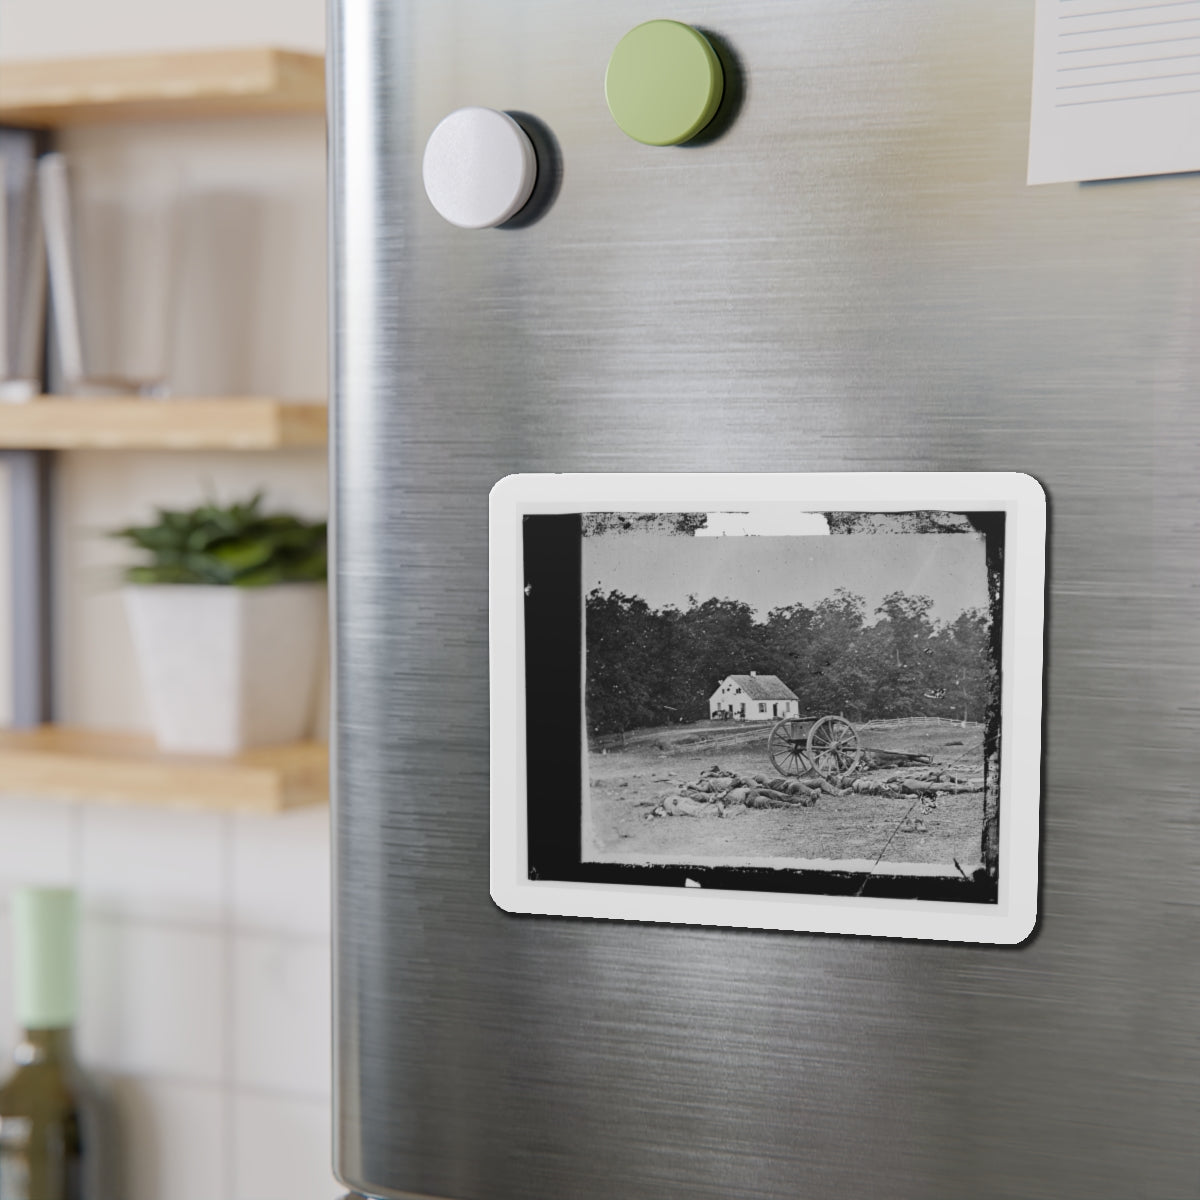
227,668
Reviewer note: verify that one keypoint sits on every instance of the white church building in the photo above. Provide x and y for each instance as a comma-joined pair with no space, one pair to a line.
753,697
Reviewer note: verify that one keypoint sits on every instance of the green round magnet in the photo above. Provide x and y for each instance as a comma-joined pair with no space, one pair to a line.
664,83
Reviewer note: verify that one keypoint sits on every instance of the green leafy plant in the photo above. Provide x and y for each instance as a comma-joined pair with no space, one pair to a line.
237,546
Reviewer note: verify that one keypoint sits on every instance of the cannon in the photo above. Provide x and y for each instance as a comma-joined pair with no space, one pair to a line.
828,745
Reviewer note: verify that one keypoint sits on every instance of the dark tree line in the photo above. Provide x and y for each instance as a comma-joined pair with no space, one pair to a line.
657,666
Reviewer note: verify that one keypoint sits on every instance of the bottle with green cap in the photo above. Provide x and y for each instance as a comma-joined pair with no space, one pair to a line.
42,1108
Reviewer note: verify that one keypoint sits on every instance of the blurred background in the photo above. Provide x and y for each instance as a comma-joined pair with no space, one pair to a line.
205,934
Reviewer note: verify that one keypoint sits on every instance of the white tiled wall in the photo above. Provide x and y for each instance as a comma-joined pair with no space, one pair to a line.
172,1138
205,989
64,28
279,1146
205,945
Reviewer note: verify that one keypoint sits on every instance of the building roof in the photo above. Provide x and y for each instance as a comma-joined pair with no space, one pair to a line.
763,687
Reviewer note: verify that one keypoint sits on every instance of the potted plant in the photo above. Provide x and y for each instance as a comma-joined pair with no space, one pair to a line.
228,622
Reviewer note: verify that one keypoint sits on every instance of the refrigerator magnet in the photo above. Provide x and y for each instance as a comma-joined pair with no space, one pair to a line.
791,702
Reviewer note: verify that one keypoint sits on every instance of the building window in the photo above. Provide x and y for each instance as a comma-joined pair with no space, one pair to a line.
762,708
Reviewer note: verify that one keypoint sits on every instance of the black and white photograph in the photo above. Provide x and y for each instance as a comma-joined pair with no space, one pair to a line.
797,702
806,691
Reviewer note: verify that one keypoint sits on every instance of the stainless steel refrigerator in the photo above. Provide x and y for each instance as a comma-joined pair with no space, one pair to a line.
845,272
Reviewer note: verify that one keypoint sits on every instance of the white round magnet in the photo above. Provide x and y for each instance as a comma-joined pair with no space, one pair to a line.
479,168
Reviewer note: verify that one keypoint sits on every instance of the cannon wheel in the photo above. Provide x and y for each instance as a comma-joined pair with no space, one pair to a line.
833,746
787,748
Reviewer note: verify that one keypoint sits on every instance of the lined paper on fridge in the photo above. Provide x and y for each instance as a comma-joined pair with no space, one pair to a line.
1116,89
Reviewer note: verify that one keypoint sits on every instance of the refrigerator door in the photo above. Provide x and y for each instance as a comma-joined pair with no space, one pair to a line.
851,276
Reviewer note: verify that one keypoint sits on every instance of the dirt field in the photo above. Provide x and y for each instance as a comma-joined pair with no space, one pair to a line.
627,783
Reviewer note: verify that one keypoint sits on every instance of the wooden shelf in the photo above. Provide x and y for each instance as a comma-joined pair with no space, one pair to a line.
228,423
215,83
78,764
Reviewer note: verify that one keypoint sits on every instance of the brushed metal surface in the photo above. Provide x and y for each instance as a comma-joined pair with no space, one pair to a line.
853,277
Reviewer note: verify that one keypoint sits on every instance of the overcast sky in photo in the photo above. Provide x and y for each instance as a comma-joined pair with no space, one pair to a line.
770,572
